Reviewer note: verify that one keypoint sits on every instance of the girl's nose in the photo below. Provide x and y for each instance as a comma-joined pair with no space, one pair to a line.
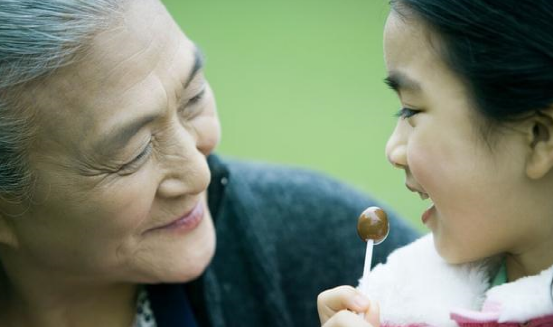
396,148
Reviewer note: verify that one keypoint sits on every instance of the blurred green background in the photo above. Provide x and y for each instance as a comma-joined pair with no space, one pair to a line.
299,82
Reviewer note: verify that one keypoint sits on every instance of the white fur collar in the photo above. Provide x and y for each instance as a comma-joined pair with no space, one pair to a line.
417,286
526,298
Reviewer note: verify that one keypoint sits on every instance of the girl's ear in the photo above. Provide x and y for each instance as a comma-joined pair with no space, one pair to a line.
540,135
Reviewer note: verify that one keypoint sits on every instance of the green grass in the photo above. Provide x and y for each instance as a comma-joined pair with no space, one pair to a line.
300,83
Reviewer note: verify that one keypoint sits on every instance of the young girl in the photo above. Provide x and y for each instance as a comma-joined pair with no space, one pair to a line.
475,136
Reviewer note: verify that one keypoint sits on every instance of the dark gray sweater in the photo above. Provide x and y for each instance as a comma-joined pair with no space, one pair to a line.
283,236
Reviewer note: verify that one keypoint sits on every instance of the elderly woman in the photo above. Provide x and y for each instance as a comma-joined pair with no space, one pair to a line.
106,208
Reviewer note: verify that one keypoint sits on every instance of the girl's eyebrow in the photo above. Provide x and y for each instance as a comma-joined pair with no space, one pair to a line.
399,81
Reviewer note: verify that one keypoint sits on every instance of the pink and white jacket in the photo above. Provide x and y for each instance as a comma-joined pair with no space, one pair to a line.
417,288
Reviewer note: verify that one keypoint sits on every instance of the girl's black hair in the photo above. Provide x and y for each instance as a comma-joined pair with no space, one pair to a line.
502,49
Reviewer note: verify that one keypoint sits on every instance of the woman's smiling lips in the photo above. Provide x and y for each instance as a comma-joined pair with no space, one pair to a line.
187,222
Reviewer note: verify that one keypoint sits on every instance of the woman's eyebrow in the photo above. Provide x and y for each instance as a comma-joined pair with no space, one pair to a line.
199,60
120,135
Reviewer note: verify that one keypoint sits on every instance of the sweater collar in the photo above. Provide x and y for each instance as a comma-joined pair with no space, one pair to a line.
217,187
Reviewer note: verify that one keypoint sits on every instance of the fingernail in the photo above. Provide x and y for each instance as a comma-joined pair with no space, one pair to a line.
361,301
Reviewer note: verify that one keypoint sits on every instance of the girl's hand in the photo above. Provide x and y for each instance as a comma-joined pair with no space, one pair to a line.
340,307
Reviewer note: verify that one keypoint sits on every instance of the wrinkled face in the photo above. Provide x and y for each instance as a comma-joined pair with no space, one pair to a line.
482,201
120,157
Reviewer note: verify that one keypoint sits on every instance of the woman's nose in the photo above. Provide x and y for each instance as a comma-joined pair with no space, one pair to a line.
184,167
207,128
396,148
208,134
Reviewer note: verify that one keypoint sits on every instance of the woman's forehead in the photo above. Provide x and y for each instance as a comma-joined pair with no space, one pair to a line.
132,50
126,69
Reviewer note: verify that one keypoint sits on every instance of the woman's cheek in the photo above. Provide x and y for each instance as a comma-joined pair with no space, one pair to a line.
130,204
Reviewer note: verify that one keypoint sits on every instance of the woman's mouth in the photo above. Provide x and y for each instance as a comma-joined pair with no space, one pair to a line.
187,222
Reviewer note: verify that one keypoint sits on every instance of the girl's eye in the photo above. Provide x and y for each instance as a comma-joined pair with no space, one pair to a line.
134,164
406,113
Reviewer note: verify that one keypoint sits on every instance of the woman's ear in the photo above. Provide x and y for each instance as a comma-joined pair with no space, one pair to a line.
8,237
540,135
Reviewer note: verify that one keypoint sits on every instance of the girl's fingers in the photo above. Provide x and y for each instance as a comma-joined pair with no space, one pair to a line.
347,319
340,298
373,315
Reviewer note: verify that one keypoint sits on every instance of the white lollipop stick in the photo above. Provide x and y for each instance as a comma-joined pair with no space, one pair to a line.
367,267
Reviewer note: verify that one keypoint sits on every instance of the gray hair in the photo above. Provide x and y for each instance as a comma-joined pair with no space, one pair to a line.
37,37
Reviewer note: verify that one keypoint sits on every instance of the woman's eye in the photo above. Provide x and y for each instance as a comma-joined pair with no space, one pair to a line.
193,106
196,98
137,161
406,113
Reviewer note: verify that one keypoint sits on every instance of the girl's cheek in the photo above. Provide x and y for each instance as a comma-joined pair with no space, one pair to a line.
430,169
421,161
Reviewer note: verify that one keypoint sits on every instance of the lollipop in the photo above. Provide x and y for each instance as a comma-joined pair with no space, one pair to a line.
373,228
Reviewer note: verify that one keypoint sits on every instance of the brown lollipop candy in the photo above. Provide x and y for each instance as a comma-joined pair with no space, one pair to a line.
373,225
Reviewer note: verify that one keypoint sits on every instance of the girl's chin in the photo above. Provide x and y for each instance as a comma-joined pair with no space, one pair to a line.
451,255
445,250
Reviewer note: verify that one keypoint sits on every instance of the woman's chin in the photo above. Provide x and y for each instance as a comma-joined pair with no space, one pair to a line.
185,261
191,270
192,263
181,270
